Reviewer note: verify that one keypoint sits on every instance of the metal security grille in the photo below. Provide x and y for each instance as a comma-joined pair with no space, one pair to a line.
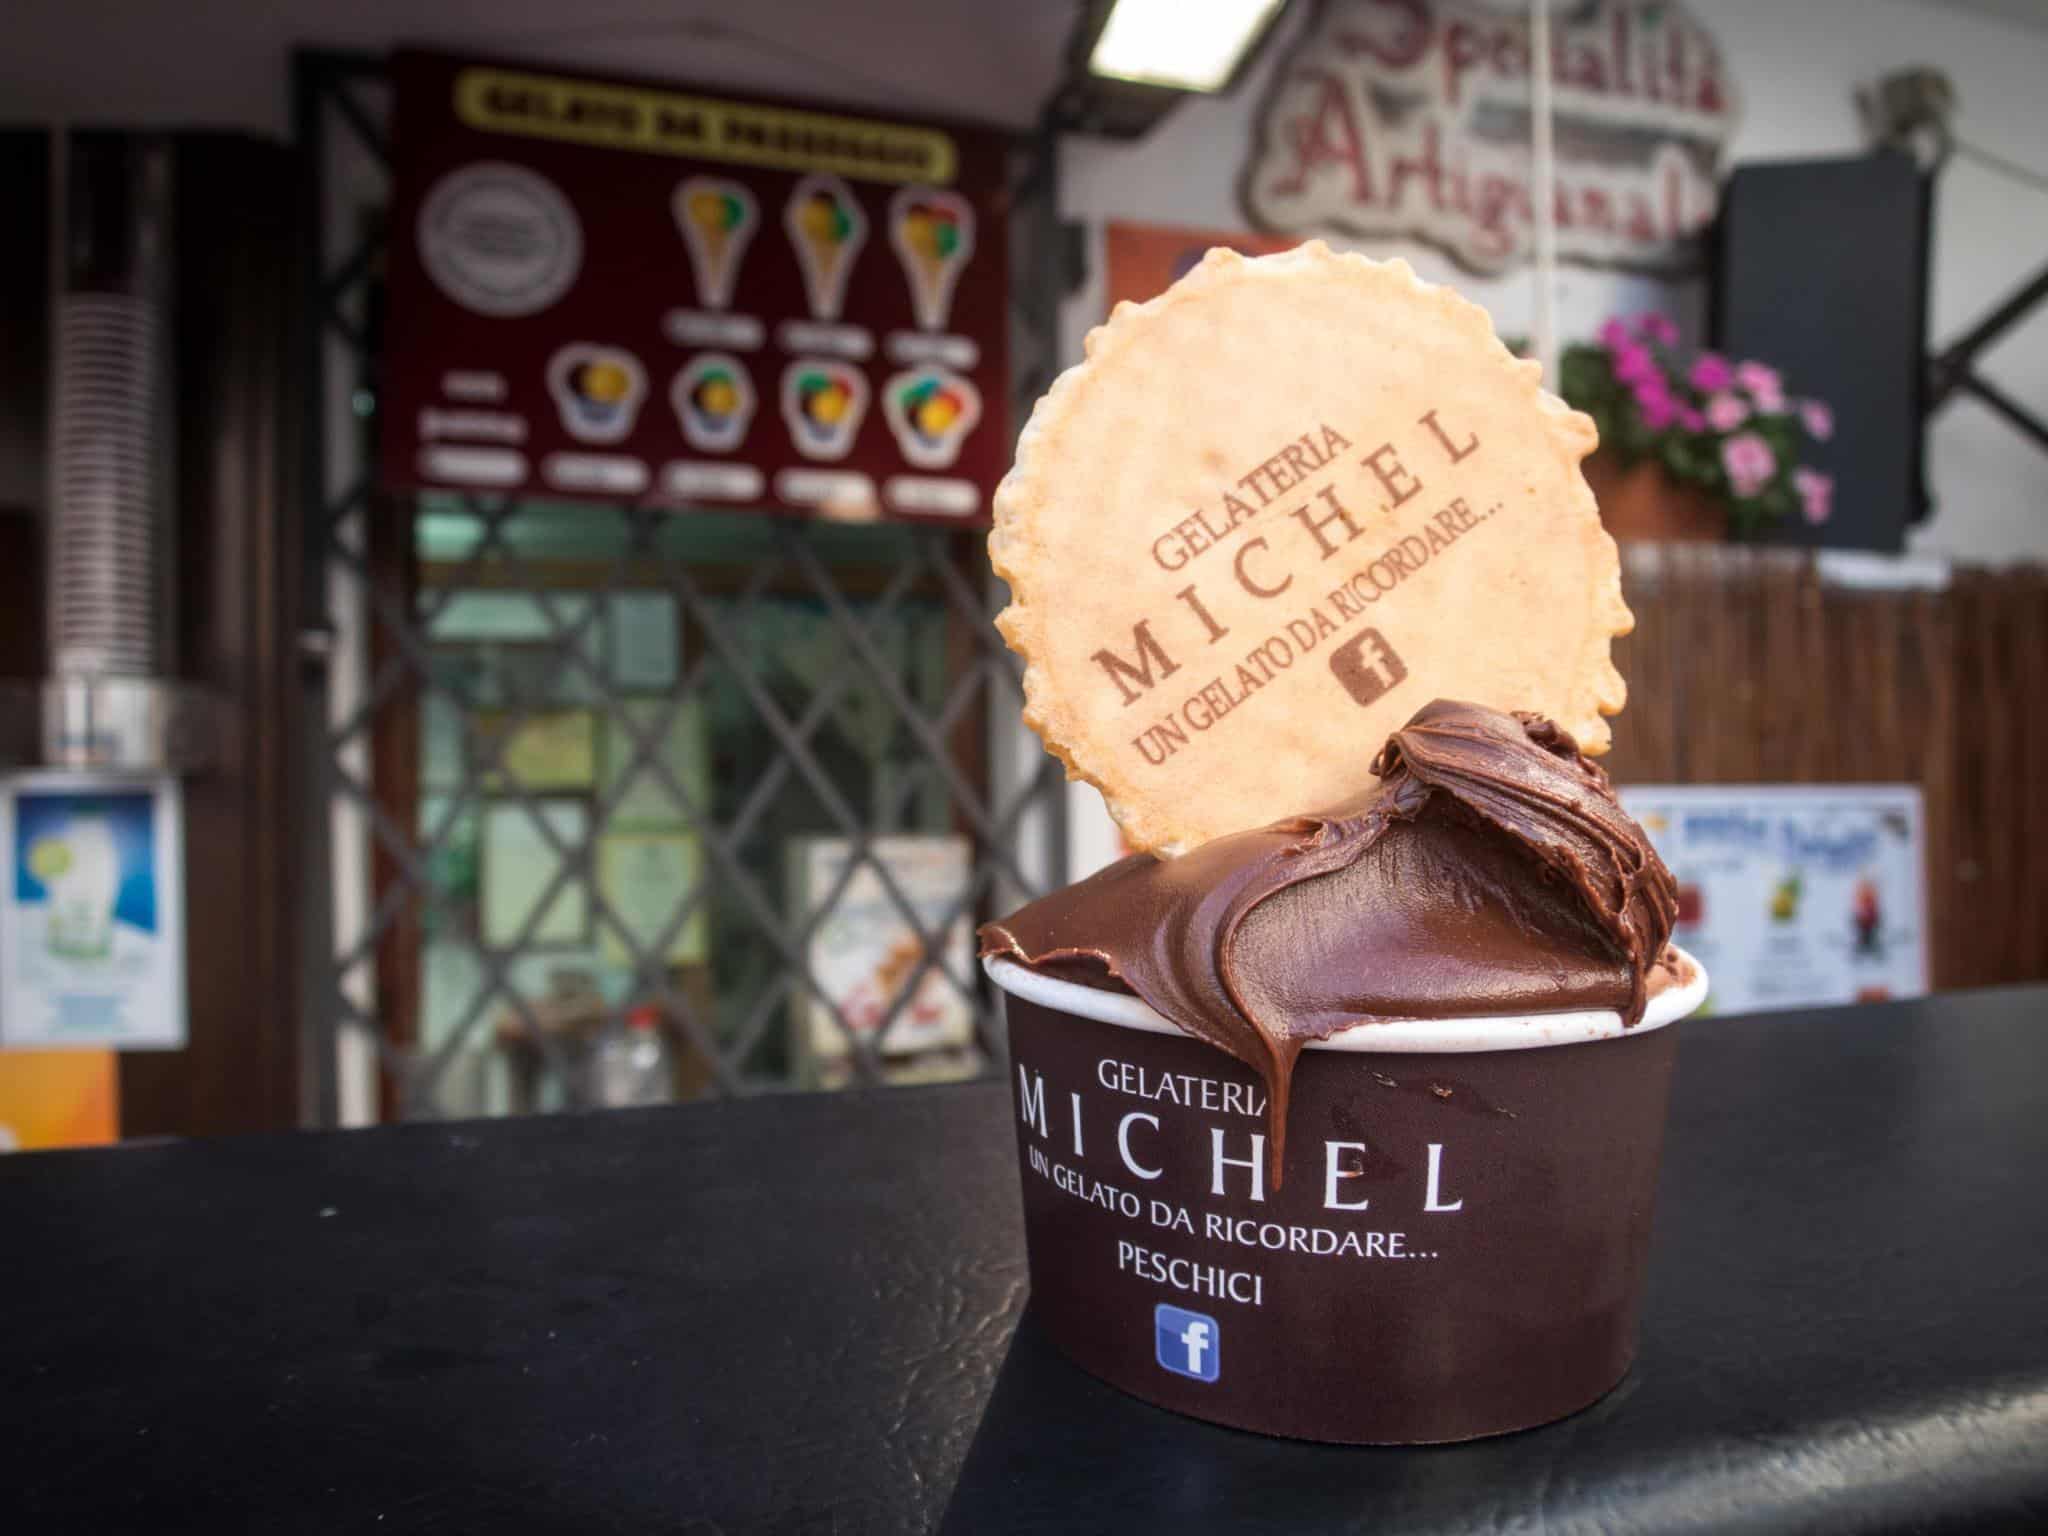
588,767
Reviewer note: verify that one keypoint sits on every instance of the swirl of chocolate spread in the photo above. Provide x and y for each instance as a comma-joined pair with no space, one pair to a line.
1489,871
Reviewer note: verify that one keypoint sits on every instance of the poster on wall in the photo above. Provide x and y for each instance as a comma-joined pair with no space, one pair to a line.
1410,118
613,290
646,877
1795,896
526,899
864,952
92,920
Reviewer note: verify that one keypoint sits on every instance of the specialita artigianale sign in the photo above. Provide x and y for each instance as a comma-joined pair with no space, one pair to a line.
1411,117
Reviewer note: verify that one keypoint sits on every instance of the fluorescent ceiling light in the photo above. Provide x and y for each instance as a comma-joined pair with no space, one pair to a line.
1184,45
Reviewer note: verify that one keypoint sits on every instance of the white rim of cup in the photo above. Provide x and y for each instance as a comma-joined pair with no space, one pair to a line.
1479,1032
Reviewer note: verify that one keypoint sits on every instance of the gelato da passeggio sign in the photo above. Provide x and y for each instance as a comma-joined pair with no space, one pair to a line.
1411,117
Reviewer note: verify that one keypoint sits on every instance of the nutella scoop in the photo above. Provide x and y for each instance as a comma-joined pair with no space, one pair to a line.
1490,871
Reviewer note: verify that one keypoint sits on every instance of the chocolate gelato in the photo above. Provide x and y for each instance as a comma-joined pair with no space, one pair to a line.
1489,871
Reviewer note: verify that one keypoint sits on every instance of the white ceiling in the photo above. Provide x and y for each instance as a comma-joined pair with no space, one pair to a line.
225,62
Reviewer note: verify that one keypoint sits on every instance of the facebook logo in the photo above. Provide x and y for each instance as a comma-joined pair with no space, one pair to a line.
1187,1343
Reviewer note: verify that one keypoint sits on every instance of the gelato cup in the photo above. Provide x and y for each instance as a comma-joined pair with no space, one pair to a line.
1340,1100
1454,1248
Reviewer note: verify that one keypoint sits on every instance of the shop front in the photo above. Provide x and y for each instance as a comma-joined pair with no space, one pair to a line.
668,740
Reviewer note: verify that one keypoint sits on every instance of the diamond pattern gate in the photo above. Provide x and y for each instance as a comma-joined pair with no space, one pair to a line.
587,771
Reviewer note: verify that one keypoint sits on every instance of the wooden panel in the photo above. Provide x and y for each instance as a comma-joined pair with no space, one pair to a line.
24,393
236,544
24,335
1746,668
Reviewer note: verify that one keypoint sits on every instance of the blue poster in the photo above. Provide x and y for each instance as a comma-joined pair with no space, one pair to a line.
91,929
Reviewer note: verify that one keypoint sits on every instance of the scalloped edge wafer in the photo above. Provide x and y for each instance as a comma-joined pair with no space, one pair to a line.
1045,485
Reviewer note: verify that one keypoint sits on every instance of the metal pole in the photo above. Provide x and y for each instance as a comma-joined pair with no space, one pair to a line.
1543,188
1953,361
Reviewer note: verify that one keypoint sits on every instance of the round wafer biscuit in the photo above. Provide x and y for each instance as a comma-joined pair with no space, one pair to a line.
1274,512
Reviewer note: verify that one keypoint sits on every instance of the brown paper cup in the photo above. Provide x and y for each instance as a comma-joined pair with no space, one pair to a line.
1455,1249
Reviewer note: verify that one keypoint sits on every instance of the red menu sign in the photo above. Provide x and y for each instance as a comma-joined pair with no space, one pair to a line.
609,290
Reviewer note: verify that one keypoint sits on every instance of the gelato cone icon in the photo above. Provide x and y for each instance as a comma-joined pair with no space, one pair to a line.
598,391
827,228
713,398
716,219
930,411
933,233
823,402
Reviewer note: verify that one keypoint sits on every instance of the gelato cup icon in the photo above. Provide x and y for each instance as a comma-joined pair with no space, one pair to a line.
930,411
713,397
597,390
933,233
81,870
823,402
716,219
827,229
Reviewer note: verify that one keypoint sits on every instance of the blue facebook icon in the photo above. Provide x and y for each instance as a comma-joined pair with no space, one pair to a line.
1187,1343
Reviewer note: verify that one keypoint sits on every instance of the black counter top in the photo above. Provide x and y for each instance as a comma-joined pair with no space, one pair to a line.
802,1315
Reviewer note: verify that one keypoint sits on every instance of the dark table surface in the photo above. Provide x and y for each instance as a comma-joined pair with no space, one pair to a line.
803,1315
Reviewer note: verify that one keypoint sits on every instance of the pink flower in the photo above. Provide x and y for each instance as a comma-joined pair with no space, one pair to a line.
1614,336
1764,386
1749,462
1690,419
1634,365
1819,419
1816,493
1726,412
1653,399
1657,327
1710,372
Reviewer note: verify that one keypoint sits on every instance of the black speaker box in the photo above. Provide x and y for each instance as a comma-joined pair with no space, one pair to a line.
1821,271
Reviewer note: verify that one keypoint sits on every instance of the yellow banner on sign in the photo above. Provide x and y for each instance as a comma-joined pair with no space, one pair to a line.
701,128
